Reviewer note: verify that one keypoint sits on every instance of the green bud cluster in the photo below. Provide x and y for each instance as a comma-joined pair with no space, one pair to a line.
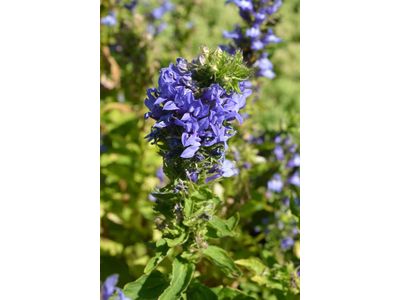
217,66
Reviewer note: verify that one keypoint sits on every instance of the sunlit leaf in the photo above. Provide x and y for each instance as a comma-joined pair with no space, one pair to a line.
182,274
222,260
161,252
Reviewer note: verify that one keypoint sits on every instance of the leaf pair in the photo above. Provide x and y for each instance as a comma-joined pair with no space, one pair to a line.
222,260
198,291
218,228
154,286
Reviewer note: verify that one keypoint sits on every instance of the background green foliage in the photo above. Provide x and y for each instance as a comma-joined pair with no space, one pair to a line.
128,163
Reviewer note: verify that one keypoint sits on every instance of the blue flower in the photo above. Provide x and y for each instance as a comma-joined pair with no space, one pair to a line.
109,287
253,32
275,184
161,27
256,44
265,67
292,148
237,37
278,139
293,162
287,242
131,6
246,5
201,122
255,15
280,155
158,12
274,7
193,175
257,140
110,19
294,178
160,174
260,16
227,169
270,37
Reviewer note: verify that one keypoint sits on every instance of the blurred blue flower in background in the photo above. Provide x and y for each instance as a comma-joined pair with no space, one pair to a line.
294,161
278,138
274,7
162,27
255,36
131,6
227,169
158,12
265,66
275,184
287,242
253,32
160,174
270,37
189,25
294,178
110,19
279,153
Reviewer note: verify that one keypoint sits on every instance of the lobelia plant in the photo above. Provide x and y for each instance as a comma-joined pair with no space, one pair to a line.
194,107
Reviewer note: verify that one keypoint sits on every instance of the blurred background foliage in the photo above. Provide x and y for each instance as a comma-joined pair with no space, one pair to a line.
135,43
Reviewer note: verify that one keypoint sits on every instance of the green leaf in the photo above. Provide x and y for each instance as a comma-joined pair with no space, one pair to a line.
228,293
188,210
222,229
161,252
198,291
216,200
203,194
233,221
164,196
179,240
148,287
253,264
222,260
293,207
182,273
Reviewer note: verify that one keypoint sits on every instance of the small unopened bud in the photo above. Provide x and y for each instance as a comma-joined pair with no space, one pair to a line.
201,60
205,50
214,67
218,52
